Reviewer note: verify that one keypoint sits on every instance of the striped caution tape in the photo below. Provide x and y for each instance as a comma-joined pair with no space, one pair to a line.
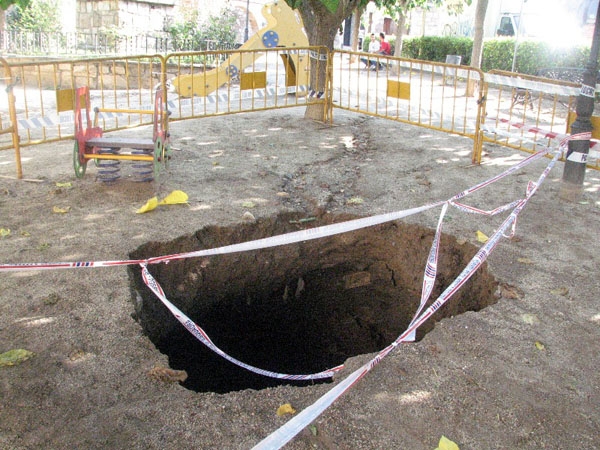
285,433
67,118
289,430
540,133
274,241
539,86
201,335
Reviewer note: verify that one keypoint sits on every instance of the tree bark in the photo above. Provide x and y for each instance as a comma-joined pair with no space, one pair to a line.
355,29
477,51
401,28
321,25
2,20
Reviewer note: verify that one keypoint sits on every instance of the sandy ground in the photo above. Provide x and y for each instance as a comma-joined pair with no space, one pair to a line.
522,373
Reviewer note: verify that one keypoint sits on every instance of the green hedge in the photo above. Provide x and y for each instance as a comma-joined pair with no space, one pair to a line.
497,53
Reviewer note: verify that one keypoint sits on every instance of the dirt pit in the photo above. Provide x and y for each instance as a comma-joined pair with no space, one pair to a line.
296,309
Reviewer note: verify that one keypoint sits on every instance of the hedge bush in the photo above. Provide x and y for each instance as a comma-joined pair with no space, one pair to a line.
497,53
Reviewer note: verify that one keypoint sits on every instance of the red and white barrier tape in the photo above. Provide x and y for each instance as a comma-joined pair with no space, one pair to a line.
285,433
274,241
290,429
545,134
201,335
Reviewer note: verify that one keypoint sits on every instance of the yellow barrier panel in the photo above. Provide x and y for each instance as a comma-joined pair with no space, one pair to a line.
283,29
503,110
398,89
572,115
44,93
12,129
525,112
270,78
253,80
423,93
65,100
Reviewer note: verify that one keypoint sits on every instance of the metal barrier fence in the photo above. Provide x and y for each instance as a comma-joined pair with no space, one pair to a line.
431,95
507,109
215,83
63,44
44,93
8,118
198,84
525,112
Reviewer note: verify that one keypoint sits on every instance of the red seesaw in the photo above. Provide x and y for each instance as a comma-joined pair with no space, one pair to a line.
151,154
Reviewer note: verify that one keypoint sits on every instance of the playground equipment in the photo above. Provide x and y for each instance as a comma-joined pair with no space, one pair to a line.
150,155
284,29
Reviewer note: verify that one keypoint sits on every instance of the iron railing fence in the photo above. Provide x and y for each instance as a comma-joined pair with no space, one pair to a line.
61,44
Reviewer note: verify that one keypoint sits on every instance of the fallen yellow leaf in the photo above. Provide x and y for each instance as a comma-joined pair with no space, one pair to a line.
481,237
248,204
14,357
539,345
4,232
67,184
525,260
355,201
284,409
149,206
446,444
59,210
174,198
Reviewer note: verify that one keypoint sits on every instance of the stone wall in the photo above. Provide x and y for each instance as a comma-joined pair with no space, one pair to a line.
101,75
125,16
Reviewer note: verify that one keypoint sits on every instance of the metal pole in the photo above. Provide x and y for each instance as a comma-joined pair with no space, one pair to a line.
518,31
247,14
578,150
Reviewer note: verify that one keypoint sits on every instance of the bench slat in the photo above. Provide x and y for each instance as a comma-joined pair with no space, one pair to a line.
107,142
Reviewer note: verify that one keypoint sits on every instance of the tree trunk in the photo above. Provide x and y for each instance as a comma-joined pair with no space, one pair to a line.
321,25
400,33
355,29
477,42
2,20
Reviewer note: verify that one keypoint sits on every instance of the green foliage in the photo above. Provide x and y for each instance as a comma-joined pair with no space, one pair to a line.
220,28
39,15
190,35
4,4
434,48
531,56
331,5
497,53
403,7
185,35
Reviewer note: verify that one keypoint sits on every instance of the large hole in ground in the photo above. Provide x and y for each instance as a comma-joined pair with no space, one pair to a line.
299,308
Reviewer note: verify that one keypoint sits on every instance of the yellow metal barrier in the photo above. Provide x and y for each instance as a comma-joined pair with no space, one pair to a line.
283,29
525,112
44,93
206,84
12,128
507,109
431,95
